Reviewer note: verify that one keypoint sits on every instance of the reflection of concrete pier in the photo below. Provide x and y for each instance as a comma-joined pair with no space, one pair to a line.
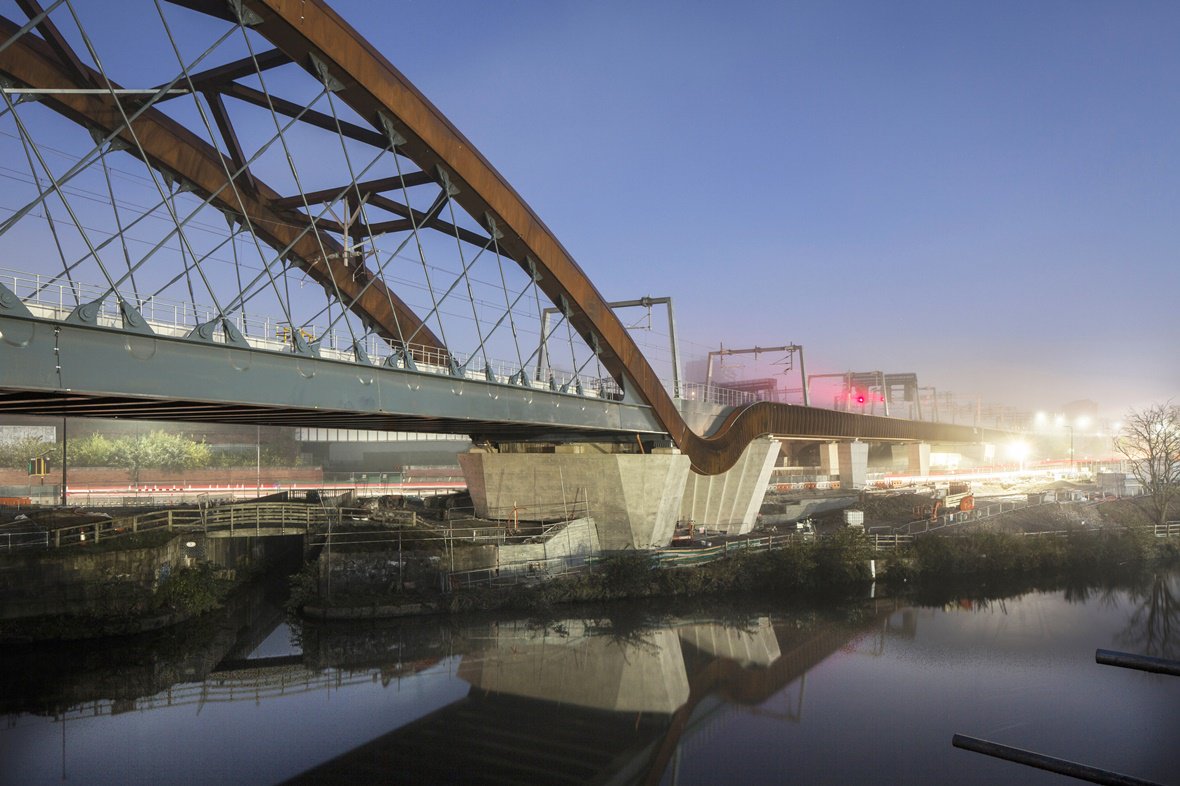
563,704
644,673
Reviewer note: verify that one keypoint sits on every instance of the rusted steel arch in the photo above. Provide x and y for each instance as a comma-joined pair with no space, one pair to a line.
169,146
374,89
761,418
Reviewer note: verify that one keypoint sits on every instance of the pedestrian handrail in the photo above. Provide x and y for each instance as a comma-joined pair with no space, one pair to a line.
890,541
1170,529
222,520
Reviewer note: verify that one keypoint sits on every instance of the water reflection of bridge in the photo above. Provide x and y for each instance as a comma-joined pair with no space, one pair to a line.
580,700
574,703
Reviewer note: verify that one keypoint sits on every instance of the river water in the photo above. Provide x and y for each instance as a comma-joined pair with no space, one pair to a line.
748,691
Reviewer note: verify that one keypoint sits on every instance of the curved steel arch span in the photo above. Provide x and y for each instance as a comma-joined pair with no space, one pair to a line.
393,117
373,86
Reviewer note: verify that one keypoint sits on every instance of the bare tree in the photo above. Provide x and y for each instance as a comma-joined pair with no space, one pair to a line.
1150,440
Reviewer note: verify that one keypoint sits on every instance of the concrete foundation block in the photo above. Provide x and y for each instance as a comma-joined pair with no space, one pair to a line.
634,499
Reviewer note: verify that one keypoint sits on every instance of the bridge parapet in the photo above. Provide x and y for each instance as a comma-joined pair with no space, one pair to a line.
47,297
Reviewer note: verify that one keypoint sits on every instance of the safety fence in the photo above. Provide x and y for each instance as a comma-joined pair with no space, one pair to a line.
527,571
1170,529
980,513
239,520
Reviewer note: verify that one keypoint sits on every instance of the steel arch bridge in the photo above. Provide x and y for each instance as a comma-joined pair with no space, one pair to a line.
241,211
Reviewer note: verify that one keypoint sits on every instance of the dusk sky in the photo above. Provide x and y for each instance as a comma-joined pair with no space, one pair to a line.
984,194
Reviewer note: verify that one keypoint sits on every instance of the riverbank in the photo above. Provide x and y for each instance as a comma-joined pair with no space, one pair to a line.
129,585
374,581
835,562
127,610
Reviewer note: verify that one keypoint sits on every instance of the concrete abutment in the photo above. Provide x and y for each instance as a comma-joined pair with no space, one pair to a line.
635,500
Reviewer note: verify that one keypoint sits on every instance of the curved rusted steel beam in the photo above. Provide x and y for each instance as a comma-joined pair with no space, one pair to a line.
169,146
373,87
761,418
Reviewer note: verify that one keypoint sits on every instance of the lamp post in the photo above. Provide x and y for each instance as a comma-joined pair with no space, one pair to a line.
1070,427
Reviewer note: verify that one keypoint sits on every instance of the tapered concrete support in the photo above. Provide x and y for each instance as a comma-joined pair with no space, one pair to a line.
918,458
729,502
829,458
854,464
634,499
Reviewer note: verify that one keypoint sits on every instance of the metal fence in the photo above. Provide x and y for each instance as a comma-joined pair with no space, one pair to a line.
219,521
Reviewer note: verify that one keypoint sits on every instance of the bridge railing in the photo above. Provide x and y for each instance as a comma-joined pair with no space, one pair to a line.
50,298
715,394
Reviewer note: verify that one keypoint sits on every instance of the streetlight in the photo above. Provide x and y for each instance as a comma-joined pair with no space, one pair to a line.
1070,427
1082,422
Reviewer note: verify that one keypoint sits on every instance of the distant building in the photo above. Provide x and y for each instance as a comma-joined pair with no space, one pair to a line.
1119,484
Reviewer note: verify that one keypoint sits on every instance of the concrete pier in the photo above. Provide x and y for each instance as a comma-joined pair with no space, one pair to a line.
918,458
854,464
829,459
634,499
729,502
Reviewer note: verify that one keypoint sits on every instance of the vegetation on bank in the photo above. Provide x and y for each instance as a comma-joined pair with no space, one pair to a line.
831,564
836,563
1003,553
121,607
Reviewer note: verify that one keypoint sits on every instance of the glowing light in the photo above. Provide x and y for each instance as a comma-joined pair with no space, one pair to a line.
1041,418
1017,450
1083,422
1117,425
1059,420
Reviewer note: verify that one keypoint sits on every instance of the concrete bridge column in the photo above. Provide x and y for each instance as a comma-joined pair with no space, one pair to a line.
918,457
829,458
730,501
633,499
854,464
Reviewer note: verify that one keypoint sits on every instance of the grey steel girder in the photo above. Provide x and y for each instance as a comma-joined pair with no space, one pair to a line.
83,368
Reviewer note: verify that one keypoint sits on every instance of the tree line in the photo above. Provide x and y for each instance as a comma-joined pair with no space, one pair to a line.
133,452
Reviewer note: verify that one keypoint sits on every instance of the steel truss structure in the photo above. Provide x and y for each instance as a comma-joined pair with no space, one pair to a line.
232,177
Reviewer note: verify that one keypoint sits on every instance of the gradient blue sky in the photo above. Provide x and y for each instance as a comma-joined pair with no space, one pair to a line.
984,193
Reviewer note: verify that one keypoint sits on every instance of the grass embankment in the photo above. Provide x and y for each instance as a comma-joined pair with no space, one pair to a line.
1004,553
832,563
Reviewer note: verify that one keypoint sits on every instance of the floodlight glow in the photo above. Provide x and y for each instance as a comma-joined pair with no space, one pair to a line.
1083,422
1041,417
1117,425
1017,450
1059,420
